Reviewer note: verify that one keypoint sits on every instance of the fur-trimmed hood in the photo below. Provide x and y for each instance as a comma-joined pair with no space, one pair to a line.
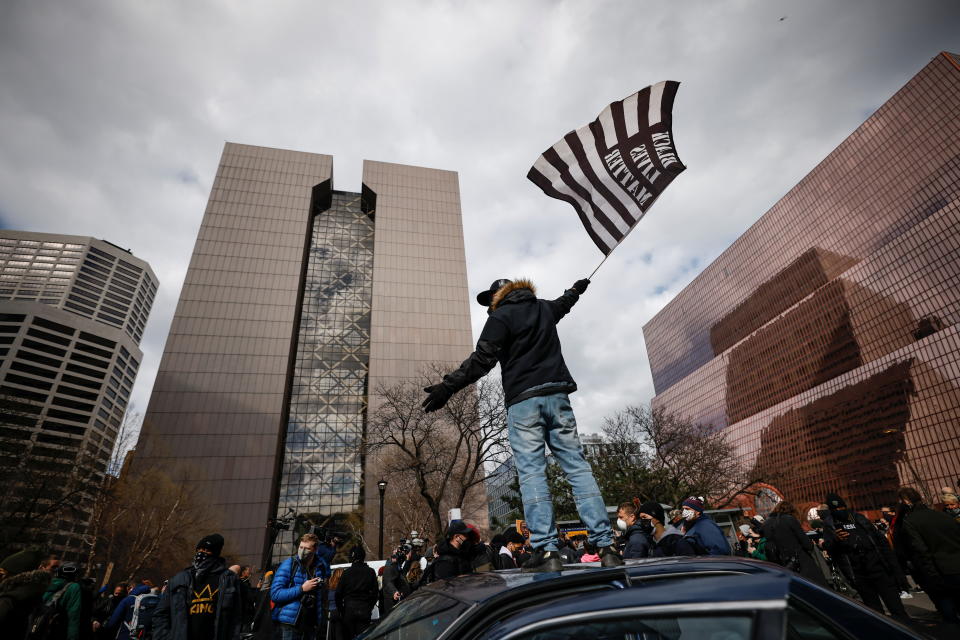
507,289
29,584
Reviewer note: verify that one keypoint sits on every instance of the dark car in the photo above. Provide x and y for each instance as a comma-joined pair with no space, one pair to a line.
668,598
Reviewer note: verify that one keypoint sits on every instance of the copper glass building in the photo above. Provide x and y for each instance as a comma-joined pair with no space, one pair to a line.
298,302
825,340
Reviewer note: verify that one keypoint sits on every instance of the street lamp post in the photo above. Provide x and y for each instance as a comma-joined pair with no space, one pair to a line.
382,485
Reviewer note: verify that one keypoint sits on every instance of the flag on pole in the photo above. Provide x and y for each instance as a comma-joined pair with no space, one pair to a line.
613,169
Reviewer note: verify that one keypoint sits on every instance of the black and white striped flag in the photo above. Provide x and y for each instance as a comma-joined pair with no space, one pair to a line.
613,169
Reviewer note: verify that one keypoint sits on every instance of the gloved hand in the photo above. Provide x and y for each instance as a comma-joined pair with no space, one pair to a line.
580,286
436,398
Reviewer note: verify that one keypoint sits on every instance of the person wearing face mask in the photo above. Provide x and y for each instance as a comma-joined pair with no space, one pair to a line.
663,537
931,542
296,590
635,532
702,536
850,537
513,542
456,552
202,602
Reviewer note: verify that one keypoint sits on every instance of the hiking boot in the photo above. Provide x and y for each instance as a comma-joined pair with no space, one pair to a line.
610,557
543,562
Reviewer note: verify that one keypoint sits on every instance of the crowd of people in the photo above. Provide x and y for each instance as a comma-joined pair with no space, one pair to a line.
305,598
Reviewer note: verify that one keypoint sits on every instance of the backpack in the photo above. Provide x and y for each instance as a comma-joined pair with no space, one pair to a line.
140,621
49,620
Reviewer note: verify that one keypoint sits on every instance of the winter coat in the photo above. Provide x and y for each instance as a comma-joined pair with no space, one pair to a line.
637,545
666,546
124,612
783,531
866,551
76,604
394,581
703,538
287,588
505,559
357,589
170,616
520,334
934,539
19,594
452,561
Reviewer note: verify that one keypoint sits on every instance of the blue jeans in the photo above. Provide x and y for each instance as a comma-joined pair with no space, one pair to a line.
548,420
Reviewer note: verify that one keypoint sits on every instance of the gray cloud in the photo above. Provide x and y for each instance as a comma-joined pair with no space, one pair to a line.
113,115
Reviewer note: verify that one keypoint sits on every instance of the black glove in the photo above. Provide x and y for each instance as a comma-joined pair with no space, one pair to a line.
438,396
580,286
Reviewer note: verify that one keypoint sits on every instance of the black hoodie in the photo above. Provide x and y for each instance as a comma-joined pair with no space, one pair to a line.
520,334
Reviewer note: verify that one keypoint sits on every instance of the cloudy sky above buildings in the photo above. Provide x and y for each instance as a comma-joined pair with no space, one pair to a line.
113,116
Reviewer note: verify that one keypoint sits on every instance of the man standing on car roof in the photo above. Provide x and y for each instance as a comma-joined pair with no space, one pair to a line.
521,334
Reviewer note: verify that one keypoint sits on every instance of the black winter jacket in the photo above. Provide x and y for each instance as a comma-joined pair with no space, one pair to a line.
789,540
934,540
637,545
452,561
357,588
170,617
520,334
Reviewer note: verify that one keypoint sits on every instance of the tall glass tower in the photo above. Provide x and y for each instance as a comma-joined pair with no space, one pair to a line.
299,300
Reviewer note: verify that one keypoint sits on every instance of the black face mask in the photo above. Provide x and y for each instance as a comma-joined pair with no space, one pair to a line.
646,525
839,514
203,562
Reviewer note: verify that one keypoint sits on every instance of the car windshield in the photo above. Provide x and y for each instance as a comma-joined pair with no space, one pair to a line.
419,618
727,627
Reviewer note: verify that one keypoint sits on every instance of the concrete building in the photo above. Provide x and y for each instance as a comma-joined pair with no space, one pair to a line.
72,312
299,302
826,339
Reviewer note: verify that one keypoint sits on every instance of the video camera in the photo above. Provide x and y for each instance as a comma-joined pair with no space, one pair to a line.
330,536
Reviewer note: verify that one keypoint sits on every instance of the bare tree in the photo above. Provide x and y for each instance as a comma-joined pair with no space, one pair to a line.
667,458
442,456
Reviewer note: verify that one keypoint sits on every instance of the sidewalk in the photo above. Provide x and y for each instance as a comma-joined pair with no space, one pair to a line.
927,620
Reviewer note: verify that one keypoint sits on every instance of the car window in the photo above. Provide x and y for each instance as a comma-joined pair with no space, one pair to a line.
803,624
419,618
677,627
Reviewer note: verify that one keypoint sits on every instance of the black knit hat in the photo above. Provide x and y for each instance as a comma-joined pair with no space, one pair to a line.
514,536
485,298
212,543
835,502
652,508
21,561
358,553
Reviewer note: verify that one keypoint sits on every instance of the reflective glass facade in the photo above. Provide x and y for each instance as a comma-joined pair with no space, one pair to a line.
322,467
824,340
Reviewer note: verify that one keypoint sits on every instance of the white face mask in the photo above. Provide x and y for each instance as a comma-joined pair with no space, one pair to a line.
621,524
688,514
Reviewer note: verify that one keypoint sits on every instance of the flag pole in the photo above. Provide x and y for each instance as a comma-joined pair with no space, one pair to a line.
590,277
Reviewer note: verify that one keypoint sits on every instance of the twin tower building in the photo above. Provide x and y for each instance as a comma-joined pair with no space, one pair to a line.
300,301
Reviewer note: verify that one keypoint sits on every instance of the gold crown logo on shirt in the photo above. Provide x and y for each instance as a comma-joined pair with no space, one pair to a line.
205,593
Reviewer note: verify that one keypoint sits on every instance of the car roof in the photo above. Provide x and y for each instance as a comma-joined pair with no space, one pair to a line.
672,575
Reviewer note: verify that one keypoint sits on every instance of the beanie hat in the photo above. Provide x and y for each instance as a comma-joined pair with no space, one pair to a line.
26,560
693,503
835,502
652,508
212,543
514,536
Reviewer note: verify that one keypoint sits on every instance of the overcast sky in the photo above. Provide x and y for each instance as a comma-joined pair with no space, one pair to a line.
113,116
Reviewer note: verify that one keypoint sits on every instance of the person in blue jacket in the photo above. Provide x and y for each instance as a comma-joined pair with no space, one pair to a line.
702,536
296,590
124,612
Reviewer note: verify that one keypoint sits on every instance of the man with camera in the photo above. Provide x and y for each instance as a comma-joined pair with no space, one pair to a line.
296,588
395,585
